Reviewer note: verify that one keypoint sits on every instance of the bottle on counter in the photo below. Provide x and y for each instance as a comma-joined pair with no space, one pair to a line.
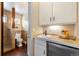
66,34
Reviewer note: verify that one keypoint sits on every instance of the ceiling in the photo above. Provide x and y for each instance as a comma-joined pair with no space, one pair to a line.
20,7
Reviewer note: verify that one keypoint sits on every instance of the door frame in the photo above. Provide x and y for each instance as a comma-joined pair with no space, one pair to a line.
2,9
30,38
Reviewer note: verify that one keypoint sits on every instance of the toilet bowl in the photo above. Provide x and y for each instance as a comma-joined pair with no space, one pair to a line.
19,40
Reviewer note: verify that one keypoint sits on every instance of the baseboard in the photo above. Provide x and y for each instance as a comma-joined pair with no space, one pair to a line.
9,51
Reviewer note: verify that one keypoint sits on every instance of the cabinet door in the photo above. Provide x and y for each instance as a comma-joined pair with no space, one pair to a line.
64,12
40,48
60,50
45,13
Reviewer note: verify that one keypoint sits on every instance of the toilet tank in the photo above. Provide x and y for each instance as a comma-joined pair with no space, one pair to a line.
18,35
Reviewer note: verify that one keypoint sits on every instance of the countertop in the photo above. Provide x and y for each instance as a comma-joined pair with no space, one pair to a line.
56,39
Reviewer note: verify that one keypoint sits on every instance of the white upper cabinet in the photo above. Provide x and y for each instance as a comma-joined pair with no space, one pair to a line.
57,13
64,12
45,13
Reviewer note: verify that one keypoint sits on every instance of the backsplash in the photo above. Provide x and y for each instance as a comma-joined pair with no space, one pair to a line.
56,29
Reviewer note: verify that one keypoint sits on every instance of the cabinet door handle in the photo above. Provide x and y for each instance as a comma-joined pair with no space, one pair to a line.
54,18
44,51
50,19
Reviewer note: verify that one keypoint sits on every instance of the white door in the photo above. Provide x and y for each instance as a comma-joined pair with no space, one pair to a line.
45,13
64,12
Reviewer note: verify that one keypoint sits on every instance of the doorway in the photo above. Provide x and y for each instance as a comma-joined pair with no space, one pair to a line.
15,28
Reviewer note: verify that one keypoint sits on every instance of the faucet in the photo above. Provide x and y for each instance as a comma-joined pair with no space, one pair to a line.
44,29
45,32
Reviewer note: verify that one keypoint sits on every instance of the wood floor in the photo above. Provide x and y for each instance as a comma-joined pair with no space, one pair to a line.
22,51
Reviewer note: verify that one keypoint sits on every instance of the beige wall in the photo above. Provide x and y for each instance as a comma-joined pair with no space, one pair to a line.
35,19
77,30
77,24
56,29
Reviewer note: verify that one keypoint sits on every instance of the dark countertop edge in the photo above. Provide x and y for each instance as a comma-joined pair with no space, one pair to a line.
64,45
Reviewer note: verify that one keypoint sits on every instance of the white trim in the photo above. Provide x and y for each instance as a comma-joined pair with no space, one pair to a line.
30,40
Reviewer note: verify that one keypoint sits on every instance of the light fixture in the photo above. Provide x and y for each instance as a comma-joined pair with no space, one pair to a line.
13,17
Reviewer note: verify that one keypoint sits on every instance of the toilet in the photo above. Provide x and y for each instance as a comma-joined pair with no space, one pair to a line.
19,40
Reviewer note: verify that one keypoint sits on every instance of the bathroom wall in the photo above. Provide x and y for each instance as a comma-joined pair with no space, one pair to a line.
25,22
56,29
9,17
9,33
19,18
25,26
